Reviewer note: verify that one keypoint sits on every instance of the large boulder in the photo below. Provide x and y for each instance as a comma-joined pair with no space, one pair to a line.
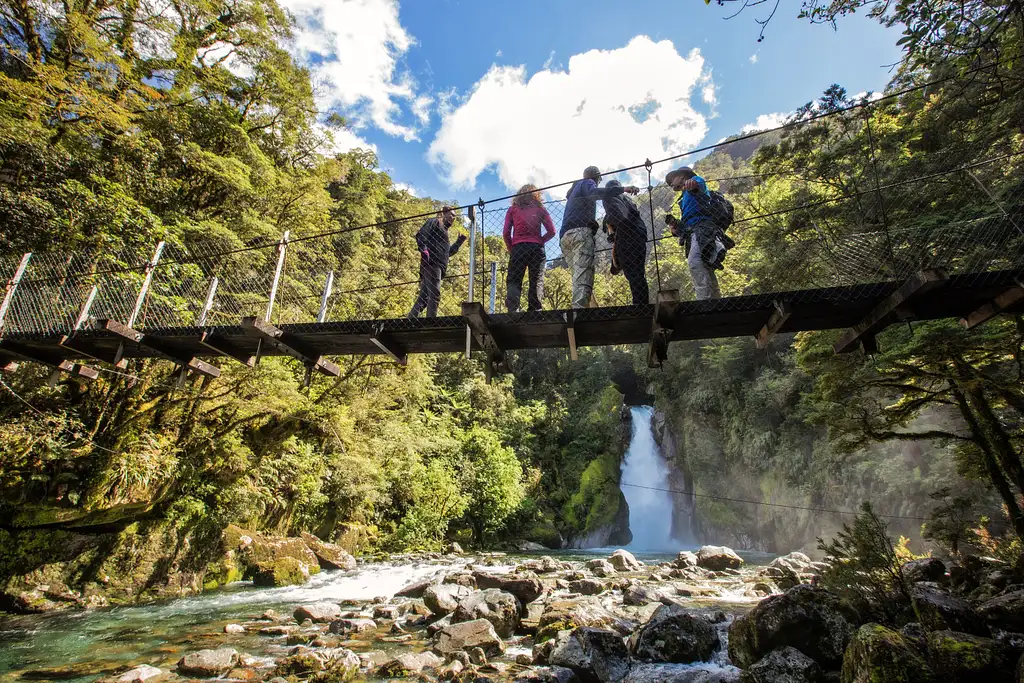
638,594
673,634
810,619
444,598
674,673
877,654
353,625
284,571
318,612
925,569
409,664
718,557
601,567
496,606
1005,611
563,615
624,561
796,561
139,674
685,560
785,665
328,555
464,636
542,565
963,658
415,589
594,655
208,663
547,674
938,610
525,588
587,587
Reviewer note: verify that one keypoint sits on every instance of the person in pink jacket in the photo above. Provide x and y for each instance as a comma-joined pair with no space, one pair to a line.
525,243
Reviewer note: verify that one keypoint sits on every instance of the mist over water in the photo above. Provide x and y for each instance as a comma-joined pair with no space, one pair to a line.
650,511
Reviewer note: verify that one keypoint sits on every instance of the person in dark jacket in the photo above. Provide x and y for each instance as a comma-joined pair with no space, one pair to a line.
525,243
697,231
432,242
579,226
628,234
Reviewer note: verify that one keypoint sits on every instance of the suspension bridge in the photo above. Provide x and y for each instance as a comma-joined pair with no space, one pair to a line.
838,256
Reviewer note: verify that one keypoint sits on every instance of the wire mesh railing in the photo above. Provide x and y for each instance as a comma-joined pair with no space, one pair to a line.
876,213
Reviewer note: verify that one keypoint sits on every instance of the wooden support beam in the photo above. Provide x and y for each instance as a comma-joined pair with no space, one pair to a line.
225,348
479,322
50,359
570,330
292,346
386,343
8,365
775,322
662,327
159,347
1007,299
877,320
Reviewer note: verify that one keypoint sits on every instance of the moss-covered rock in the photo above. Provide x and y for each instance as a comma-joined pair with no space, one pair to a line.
963,658
877,654
267,561
286,571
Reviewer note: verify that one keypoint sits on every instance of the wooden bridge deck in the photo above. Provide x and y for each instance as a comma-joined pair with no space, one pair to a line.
839,307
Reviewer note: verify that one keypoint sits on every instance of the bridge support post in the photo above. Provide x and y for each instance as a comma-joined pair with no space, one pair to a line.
494,285
570,331
321,316
478,322
282,248
775,322
12,288
662,327
211,292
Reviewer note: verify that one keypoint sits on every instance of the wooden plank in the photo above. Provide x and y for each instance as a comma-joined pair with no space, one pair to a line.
775,322
48,358
570,331
184,359
479,322
290,345
386,343
1006,300
223,347
8,365
877,319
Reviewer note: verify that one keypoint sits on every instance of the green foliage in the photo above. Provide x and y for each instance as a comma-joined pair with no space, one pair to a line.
950,520
865,568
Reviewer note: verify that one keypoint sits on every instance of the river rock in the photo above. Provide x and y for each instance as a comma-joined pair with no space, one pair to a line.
451,671
466,635
525,588
547,674
409,664
1005,611
498,607
444,598
796,561
234,629
718,557
601,568
594,655
208,663
562,615
674,673
938,610
318,612
543,565
415,589
685,559
810,619
639,594
674,635
285,571
963,658
624,561
342,664
586,587
456,549
925,569
328,555
785,665
877,654
139,674
354,625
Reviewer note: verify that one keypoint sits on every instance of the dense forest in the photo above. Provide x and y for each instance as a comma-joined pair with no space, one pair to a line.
120,127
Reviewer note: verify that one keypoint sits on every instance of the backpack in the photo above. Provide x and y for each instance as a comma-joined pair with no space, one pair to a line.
720,210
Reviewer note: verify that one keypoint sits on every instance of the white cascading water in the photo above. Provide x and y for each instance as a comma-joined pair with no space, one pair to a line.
650,510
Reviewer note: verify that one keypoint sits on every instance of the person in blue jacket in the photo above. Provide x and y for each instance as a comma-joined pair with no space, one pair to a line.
579,226
697,231
434,248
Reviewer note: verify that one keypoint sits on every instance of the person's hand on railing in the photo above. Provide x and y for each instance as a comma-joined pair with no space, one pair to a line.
631,189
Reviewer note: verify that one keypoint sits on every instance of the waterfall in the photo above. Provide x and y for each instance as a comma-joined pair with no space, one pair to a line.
650,511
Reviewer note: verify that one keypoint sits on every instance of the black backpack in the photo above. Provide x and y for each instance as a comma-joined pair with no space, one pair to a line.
720,210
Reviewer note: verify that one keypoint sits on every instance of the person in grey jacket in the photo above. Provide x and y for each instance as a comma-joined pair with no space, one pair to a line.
435,250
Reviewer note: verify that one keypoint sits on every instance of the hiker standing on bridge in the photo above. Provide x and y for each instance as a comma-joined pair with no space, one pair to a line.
579,226
697,231
432,241
525,243
628,235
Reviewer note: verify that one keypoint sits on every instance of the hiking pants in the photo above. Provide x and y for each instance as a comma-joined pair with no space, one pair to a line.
430,291
631,256
525,256
578,250
705,282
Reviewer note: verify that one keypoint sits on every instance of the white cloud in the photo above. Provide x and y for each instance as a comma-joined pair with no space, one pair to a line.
766,121
609,108
497,54
353,48
549,61
408,188
341,140
754,58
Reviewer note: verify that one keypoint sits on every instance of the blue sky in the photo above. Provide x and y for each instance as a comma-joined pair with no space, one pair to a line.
463,98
